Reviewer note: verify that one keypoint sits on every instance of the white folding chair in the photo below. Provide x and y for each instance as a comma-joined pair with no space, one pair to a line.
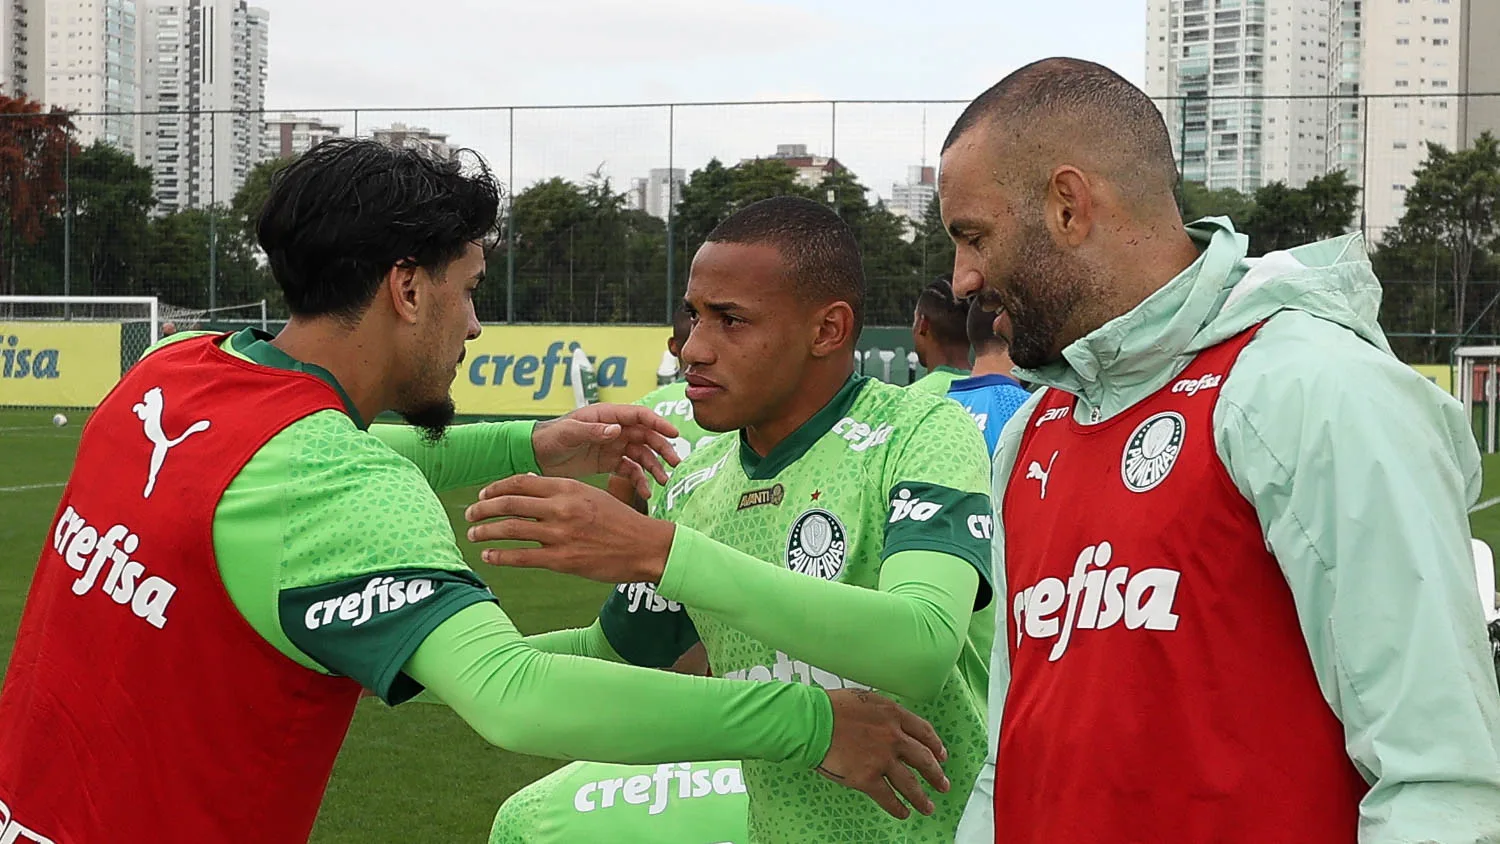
1484,572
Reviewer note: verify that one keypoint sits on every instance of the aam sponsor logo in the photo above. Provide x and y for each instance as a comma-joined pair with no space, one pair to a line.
541,372
22,362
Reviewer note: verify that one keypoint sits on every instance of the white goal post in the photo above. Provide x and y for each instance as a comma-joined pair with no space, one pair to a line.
68,351
1478,373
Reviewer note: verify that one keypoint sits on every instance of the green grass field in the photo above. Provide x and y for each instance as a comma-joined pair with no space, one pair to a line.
411,773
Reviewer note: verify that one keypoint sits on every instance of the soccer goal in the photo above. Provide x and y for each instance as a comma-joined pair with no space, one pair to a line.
1478,380
68,351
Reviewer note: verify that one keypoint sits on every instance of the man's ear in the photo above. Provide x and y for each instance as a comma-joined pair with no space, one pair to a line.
1070,205
403,287
833,328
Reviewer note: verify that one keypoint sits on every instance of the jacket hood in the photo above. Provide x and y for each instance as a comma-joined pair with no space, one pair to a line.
1222,294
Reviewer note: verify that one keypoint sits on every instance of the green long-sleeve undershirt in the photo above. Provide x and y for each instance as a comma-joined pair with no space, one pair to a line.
524,700
911,629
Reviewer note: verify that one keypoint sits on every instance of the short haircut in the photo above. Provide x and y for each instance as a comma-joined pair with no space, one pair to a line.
1068,104
341,216
819,248
981,328
947,315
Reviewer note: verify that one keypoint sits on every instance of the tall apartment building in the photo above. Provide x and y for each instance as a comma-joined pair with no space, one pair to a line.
22,43
1237,82
204,68
1407,73
290,135
911,199
78,55
414,137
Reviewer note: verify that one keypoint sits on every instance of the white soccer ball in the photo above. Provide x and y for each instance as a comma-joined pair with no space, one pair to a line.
59,420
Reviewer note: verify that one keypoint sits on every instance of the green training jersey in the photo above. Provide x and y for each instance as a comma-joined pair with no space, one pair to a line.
938,380
591,802
877,471
331,540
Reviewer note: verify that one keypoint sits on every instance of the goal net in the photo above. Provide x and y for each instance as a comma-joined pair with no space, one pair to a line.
68,351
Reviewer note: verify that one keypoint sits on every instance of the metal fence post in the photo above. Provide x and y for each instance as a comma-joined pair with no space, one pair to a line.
1364,166
67,220
671,204
213,198
510,226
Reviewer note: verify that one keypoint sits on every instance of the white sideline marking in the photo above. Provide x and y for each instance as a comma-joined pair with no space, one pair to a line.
30,486
1484,505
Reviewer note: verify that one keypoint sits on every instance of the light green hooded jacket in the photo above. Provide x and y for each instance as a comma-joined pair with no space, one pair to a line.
1361,472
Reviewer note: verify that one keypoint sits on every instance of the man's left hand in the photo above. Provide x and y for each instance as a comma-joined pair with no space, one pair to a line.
619,439
582,530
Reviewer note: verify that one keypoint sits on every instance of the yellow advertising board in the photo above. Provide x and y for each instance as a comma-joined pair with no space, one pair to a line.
523,370
1440,375
58,364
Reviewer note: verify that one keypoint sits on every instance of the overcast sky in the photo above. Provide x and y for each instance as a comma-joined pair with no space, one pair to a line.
341,54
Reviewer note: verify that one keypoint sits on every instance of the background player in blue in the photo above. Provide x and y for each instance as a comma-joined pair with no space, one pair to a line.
939,337
990,394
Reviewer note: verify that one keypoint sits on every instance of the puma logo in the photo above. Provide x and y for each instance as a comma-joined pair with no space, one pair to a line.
1034,472
149,410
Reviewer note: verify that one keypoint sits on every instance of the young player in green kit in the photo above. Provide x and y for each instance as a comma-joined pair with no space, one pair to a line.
840,539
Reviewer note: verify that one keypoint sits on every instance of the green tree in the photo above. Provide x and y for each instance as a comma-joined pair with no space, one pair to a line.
1451,208
1285,217
178,265
1197,202
245,208
581,257
111,199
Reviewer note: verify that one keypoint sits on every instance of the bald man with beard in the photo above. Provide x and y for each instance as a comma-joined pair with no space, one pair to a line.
1233,554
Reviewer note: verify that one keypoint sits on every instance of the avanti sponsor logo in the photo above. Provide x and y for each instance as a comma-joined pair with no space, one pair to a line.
758,497
541,372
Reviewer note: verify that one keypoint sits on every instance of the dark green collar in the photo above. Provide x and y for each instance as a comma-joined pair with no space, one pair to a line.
256,345
794,446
